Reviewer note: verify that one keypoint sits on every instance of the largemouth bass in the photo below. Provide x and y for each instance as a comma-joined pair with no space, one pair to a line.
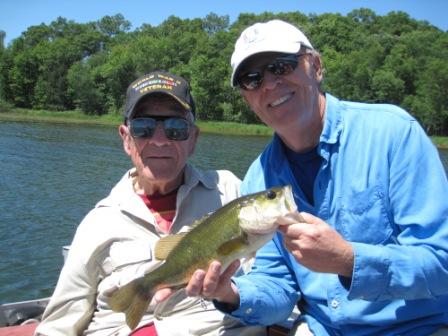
234,231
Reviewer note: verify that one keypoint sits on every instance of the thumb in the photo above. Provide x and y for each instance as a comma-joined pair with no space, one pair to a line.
162,295
291,218
309,218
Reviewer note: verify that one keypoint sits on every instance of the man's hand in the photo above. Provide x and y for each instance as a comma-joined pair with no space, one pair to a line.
317,246
210,285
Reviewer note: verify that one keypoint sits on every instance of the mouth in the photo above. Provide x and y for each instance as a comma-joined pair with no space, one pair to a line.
281,100
157,157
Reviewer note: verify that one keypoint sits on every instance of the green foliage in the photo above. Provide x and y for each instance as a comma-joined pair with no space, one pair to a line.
2,40
367,57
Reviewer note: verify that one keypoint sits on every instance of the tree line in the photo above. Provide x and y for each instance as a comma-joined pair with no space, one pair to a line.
367,57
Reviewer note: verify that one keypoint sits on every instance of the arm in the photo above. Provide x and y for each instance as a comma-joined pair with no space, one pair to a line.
269,292
103,256
72,303
415,264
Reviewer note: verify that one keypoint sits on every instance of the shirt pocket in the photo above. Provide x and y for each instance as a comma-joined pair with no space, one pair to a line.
126,253
362,216
124,260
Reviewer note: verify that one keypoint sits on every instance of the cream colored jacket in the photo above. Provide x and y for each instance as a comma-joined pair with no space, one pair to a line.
115,244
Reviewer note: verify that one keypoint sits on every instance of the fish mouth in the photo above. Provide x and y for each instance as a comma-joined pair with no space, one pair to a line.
257,231
289,198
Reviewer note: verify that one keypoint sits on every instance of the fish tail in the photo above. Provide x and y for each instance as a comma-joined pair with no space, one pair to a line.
132,299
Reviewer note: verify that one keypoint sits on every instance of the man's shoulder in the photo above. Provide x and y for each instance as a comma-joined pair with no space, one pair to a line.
376,111
212,178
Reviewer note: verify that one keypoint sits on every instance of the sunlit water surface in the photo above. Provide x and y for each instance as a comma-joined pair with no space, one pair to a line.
53,174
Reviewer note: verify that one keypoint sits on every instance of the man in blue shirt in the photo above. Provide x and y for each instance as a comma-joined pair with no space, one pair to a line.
369,253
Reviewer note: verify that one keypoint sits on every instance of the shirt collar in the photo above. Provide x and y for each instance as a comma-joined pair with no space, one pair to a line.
193,176
333,122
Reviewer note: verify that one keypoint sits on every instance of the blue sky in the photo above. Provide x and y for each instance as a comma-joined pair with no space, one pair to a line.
17,15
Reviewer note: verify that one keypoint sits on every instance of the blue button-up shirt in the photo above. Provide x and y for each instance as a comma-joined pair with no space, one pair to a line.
382,186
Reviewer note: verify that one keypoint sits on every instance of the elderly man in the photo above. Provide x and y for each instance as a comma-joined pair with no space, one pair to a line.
369,253
161,195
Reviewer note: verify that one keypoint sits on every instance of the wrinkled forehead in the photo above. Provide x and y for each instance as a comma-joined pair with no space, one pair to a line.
159,104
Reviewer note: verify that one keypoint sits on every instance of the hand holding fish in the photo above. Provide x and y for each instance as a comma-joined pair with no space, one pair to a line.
317,246
214,285
210,285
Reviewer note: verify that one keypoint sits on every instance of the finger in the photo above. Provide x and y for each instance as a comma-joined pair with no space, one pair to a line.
211,279
162,295
287,219
230,271
108,292
290,218
309,218
194,286
300,216
293,231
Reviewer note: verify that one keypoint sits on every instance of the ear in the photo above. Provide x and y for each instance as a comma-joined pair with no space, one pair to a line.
126,137
193,139
318,68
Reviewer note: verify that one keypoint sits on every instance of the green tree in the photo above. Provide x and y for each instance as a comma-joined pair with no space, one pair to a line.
113,25
334,30
387,87
86,86
214,23
367,57
2,40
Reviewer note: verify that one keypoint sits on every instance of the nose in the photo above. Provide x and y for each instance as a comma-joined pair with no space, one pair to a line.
159,136
270,81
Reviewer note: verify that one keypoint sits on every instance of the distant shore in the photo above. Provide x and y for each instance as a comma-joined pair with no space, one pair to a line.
76,117
216,127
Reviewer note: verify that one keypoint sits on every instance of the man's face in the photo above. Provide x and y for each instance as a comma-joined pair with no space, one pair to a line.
159,160
289,100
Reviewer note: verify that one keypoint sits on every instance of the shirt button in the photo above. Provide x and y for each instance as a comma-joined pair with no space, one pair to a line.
334,304
248,311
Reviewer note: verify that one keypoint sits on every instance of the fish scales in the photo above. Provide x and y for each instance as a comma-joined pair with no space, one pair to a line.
235,230
202,244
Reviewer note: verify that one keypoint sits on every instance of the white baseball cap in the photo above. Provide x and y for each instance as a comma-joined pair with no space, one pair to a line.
271,36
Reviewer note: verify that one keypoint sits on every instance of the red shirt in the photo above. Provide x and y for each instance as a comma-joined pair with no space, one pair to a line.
146,330
163,208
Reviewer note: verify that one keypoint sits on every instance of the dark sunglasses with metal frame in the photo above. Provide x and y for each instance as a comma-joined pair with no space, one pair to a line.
175,128
281,66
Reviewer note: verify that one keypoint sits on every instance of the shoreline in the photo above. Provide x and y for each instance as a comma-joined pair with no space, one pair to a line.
213,127
74,117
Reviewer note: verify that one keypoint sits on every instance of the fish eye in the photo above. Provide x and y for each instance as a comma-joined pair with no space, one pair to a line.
271,194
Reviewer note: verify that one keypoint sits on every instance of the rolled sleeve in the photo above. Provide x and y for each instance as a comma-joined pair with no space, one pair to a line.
370,267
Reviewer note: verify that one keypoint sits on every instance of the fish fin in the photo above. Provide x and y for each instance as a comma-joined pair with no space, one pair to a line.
132,299
232,245
200,220
164,308
165,245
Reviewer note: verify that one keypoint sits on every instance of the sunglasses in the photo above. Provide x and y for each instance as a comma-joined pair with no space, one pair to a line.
280,66
176,128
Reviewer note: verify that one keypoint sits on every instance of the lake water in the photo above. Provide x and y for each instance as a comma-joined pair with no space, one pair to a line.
53,174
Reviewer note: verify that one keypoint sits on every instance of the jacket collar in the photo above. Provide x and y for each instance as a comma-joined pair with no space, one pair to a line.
123,196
